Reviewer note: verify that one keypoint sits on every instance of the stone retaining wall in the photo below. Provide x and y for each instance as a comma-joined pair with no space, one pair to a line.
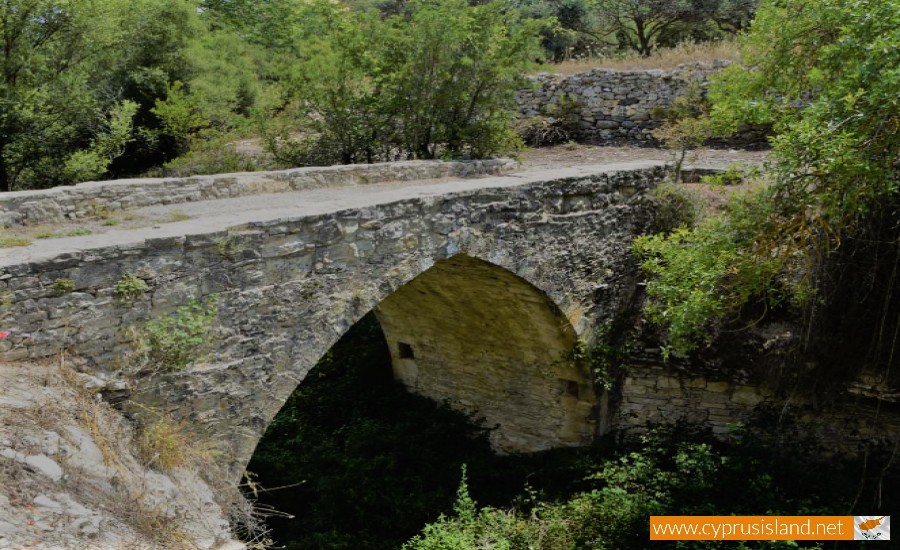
94,199
619,106
664,393
612,106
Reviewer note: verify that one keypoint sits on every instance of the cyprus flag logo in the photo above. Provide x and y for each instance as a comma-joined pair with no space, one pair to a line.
871,527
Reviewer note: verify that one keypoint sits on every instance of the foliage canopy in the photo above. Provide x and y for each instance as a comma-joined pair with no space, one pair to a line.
825,74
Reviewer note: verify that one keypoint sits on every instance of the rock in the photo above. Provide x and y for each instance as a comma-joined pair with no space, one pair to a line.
45,465
87,526
47,503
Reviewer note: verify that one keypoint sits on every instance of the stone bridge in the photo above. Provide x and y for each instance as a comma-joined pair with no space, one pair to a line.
483,284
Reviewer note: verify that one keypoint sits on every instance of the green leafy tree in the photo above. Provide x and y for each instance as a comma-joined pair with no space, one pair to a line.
437,81
336,88
454,88
640,24
825,75
48,109
267,23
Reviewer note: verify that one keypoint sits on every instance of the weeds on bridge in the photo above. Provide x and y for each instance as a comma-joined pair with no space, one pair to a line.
174,341
171,342
130,287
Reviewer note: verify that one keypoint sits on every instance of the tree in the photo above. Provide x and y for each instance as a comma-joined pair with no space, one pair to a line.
438,81
640,24
460,65
47,109
268,23
825,74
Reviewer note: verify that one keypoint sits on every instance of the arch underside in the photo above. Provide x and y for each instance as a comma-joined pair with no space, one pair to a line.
488,343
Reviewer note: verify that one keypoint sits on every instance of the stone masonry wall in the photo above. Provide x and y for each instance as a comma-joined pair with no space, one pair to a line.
663,393
612,106
473,334
287,289
93,199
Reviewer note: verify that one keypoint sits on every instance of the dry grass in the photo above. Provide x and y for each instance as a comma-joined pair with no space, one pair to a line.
130,496
167,444
667,58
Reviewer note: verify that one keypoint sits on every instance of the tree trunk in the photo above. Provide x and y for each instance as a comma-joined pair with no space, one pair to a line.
5,184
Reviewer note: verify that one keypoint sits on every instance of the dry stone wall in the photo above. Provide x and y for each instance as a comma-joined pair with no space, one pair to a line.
659,392
611,106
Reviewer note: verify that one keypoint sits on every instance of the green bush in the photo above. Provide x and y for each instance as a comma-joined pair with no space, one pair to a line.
177,339
701,277
130,287
676,207
770,466
439,81
811,71
63,285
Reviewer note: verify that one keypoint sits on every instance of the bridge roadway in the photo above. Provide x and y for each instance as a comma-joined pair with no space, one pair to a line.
210,216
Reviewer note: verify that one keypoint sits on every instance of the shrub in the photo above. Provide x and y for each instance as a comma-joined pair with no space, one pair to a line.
809,70
541,131
440,81
701,276
686,126
174,341
670,470
130,287
63,285
675,207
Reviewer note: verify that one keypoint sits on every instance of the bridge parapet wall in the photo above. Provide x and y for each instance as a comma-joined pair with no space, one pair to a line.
97,199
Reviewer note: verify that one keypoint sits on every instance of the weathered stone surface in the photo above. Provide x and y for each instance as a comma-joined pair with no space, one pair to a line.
60,491
617,106
288,288
486,283
468,333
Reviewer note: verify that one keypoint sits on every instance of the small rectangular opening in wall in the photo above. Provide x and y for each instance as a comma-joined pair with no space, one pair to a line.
406,351
572,388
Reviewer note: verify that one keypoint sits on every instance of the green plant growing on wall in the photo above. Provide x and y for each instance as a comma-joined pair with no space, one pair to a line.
230,246
181,337
130,287
734,174
63,285
607,359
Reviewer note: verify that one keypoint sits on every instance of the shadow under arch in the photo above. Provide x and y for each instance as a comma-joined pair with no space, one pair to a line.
485,341
465,332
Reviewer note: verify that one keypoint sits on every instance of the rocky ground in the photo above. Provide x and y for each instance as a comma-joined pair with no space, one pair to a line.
71,476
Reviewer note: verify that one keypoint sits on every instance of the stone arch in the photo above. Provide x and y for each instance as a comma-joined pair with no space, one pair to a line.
487,342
